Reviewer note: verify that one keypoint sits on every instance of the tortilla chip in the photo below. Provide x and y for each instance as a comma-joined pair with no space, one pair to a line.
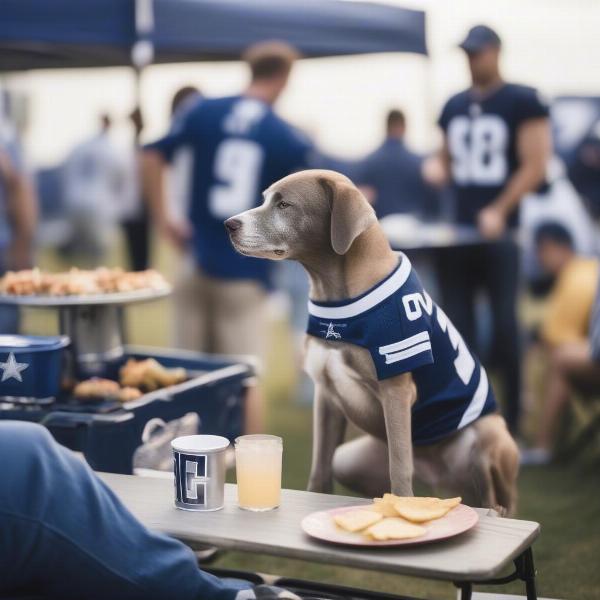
420,510
357,520
394,529
452,502
390,497
384,508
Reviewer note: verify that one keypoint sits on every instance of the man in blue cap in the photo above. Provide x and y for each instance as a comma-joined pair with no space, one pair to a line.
496,146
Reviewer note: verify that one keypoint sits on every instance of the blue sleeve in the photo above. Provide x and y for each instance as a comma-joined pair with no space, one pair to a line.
297,152
363,172
181,134
530,105
403,344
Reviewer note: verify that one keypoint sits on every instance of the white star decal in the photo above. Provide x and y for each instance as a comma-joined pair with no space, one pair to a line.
11,369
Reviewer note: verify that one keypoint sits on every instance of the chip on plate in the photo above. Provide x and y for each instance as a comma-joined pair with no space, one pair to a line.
356,520
452,502
383,507
419,510
394,528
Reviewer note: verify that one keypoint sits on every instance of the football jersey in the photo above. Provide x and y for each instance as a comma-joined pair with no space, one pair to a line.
240,147
405,331
481,134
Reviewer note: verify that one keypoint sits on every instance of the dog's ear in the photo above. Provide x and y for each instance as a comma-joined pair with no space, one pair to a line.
351,214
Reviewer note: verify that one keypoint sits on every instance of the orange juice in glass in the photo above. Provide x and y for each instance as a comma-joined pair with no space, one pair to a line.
258,471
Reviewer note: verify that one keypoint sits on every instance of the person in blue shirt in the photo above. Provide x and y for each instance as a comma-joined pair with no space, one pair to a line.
18,217
65,534
496,146
391,176
240,146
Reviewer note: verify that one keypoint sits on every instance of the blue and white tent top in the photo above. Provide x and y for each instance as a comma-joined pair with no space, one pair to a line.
38,34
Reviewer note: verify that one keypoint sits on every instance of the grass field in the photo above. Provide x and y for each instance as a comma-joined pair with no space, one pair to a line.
564,499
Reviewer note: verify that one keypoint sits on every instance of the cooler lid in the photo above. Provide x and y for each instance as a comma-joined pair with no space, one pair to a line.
32,343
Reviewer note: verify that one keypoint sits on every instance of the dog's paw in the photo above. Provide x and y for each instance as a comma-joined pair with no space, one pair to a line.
320,487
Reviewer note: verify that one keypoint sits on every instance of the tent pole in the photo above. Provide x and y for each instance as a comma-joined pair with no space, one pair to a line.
429,104
142,54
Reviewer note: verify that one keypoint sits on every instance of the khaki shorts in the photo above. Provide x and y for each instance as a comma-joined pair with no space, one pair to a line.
220,316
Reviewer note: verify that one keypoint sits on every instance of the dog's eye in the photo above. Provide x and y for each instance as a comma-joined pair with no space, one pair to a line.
282,204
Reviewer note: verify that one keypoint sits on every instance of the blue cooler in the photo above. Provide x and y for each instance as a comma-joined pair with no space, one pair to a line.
31,366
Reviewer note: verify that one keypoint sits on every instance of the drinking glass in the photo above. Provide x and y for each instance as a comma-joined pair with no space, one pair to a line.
258,471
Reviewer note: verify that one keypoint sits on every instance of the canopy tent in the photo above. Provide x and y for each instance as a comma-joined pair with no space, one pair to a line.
37,34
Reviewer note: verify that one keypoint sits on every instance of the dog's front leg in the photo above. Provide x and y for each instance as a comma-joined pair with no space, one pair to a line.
397,397
329,427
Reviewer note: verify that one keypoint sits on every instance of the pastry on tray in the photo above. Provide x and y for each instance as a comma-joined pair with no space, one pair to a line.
96,388
126,394
149,374
79,282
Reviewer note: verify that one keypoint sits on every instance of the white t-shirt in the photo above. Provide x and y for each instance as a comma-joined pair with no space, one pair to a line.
97,179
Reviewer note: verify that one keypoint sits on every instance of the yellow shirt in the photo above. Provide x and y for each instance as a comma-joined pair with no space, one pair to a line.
570,304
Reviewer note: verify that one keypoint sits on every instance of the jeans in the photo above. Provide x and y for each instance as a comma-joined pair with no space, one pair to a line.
137,240
64,534
492,268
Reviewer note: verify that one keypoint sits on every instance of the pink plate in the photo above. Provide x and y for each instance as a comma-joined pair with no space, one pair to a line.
320,525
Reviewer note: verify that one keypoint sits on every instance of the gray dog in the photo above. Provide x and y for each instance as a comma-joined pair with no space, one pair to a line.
382,355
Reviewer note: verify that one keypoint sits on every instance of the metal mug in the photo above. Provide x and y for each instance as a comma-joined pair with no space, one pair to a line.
200,467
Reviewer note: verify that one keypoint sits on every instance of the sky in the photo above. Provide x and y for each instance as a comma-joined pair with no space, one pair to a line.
553,45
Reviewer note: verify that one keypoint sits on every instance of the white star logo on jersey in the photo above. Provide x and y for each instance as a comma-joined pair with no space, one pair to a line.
11,369
330,332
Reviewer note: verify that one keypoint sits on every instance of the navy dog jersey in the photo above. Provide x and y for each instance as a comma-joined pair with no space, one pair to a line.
404,330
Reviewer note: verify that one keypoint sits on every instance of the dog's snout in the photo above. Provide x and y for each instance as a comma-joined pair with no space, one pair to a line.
233,224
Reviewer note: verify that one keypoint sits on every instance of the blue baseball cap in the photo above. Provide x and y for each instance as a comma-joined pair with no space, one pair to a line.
479,38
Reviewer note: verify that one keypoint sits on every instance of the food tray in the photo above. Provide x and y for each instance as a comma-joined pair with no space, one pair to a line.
87,299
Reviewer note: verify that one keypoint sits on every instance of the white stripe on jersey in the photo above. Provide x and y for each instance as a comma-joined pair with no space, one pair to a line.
423,336
477,402
404,354
374,297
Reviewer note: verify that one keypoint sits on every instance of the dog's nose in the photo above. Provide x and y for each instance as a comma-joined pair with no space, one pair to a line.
233,224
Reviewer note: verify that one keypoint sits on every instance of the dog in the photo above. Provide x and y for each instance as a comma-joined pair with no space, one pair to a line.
381,354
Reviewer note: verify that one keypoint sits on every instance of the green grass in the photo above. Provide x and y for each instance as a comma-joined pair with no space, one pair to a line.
565,500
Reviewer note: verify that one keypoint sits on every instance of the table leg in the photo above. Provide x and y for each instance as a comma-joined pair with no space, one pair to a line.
466,590
526,570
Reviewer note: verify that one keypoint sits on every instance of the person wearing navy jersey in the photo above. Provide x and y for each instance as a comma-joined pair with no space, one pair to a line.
496,146
239,146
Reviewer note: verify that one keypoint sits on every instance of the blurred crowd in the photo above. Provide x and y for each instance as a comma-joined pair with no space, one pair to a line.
522,218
